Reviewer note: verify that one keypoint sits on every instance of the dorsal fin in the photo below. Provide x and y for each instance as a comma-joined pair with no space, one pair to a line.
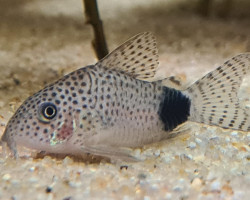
138,57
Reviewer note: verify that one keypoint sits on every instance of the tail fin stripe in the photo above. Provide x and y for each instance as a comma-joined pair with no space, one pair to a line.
214,98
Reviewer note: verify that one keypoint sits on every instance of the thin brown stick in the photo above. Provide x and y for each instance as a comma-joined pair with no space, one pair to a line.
92,16
204,7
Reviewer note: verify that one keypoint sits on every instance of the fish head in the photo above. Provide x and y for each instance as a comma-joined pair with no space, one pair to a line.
44,121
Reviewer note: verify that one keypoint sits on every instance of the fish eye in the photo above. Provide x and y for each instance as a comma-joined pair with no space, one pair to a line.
47,111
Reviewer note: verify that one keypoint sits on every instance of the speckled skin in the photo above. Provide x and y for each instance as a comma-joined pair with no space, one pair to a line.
94,106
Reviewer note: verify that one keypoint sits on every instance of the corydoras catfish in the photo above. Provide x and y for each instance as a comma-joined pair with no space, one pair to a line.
103,108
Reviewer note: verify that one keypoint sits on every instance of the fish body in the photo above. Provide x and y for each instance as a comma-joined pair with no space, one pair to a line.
95,106
102,108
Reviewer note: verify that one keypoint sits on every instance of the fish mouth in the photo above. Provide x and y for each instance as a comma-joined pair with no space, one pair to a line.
9,140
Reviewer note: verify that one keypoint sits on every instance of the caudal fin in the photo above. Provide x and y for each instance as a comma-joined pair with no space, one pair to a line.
214,98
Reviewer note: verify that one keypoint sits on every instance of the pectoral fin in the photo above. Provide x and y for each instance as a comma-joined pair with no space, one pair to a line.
117,153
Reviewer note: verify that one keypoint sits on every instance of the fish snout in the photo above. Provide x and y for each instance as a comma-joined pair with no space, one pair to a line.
8,139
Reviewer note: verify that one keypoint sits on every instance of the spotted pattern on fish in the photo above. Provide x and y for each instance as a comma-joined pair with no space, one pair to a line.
103,108
215,96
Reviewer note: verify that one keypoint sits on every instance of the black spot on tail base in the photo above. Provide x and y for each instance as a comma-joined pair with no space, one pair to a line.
174,108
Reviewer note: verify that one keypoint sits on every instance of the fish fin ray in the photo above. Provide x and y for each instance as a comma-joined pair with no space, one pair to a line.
214,98
138,57
112,152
